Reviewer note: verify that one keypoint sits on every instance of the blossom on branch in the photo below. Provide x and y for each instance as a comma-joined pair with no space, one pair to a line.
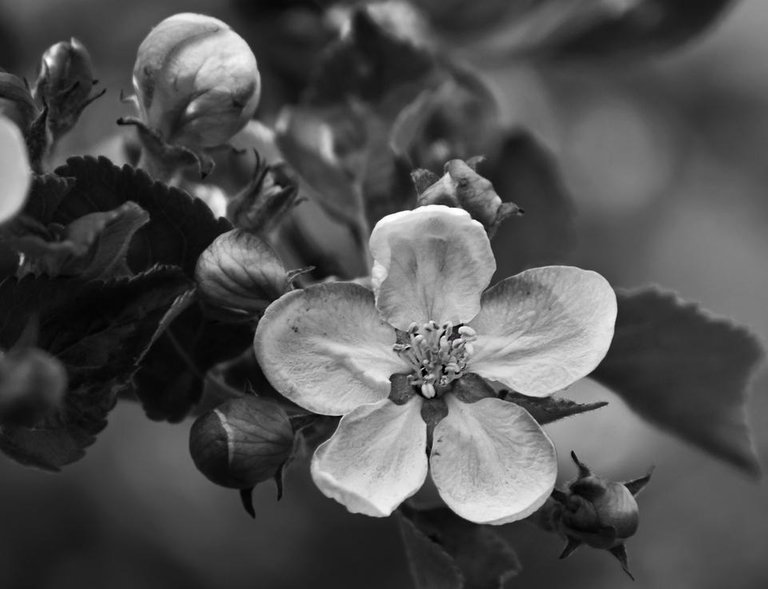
397,363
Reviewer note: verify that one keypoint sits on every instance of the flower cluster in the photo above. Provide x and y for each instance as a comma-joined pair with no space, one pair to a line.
339,348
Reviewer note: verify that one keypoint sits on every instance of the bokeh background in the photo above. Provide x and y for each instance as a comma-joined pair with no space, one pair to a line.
667,161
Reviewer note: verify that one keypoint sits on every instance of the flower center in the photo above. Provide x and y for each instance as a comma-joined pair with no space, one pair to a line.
438,354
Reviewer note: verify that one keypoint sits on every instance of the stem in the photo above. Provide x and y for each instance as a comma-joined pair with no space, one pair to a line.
361,231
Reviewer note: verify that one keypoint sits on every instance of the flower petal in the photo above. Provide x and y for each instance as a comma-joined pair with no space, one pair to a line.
492,463
431,263
376,459
15,173
543,329
327,349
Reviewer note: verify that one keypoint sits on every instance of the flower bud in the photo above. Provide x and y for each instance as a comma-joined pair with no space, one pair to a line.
16,102
32,382
64,84
461,186
598,512
15,172
269,196
240,272
242,442
196,81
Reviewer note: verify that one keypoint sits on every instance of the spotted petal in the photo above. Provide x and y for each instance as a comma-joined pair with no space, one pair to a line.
327,349
15,174
431,263
376,459
491,462
543,329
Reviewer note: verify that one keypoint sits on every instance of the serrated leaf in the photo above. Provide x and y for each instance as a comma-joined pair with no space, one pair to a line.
548,409
45,194
97,330
180,226
170,377
447,552
525,173
685,371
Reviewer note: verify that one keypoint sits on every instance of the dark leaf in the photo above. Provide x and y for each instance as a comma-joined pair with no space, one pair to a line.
525,173
180,226
97,330
445,551
549,409
45,194
684,371
169,379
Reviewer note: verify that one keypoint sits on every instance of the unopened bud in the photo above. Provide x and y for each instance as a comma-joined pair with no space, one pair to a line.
240,272
461,186
64,84
242,442
32,382
15,172
269,196
599,513
196,80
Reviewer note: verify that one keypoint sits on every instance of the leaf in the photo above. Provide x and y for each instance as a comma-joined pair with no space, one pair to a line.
45,195
180,226
647,26
525,173
685,371
594,29
548,409
97,330
447,552
170,377
111,248
92,246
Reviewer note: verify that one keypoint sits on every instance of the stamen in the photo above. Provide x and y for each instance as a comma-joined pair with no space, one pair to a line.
438,355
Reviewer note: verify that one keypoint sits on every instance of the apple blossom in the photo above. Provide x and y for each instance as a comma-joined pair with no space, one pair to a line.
339,348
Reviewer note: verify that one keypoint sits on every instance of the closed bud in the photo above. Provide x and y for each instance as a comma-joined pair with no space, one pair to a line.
598,512
241,273
32,383
461,186
242,442
269,196
16,102
196,81
15,171
64,84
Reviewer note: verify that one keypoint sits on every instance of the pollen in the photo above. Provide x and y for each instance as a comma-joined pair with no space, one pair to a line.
437,353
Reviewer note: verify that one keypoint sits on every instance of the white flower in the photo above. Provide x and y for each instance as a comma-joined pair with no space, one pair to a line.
332,349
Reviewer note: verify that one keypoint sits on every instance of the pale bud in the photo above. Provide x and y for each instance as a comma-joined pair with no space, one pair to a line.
196,80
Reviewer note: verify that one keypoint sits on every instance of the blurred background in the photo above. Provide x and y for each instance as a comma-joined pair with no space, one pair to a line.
667,161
